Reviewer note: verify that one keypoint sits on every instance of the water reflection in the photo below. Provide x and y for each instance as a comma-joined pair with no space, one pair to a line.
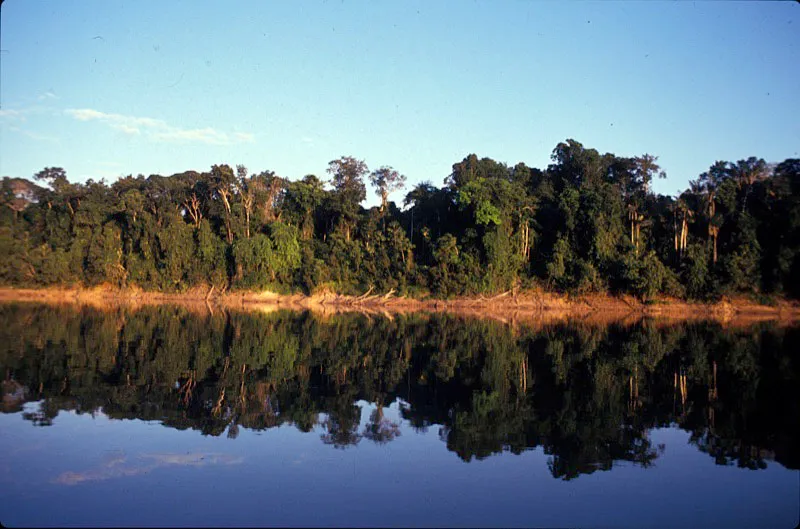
118,466
589,396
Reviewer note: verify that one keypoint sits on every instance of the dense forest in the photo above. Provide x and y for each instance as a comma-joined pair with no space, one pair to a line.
587,395
589,222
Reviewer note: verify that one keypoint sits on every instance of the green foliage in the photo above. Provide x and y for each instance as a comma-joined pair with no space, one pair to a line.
560,261
446,252
105,256
344,259
589,222
695,273
284,259
476,194
645,276
313,271
253,259
175,244
211,260
502,261
588,278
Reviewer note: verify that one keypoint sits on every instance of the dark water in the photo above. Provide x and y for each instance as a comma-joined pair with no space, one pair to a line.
164,416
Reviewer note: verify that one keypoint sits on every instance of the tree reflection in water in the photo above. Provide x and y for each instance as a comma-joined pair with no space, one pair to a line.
587,395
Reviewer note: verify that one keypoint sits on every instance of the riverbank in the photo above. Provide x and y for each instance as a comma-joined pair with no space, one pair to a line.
523,305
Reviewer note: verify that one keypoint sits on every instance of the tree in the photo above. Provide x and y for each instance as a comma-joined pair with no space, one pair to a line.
741,263
386,180
349,190
589,222
471,168
55,177
379,429
303,199
223,185
707,185
17,194
269,191
646,168
430,215
748,172
577,166
248,189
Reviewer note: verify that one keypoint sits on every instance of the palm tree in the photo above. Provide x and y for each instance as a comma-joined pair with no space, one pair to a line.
747,172
636,219
706,187
684,214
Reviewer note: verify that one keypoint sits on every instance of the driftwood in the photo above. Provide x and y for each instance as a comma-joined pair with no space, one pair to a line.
494,298
364,295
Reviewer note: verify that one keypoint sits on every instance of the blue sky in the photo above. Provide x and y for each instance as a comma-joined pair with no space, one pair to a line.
106,88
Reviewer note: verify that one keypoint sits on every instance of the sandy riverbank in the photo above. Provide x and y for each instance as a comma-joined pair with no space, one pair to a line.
524,305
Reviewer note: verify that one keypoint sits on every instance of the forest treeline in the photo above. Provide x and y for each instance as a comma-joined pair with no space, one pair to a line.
588,395
589,222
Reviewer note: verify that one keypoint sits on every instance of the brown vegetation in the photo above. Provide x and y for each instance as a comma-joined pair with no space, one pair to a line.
542,307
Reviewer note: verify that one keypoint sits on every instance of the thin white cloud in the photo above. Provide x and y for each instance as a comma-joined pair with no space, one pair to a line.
127,129
159,130
12,115
39,137
244,137
21,114
205,135
48,95
33,135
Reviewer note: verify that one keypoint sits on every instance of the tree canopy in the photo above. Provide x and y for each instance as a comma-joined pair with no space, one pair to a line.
589,222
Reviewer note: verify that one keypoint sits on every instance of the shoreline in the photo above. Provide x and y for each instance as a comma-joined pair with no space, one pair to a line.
506,306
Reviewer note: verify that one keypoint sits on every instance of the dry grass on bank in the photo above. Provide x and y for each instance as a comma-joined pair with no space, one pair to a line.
532,306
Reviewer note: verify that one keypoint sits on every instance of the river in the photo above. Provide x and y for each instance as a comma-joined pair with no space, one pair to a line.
169,415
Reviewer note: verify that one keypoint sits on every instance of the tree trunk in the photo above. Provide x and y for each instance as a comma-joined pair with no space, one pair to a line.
712,234
224,195
632,241
308,225
229,236
675,232
715,248
684,234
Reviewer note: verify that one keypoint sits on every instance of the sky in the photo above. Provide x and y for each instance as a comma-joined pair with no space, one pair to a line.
111,88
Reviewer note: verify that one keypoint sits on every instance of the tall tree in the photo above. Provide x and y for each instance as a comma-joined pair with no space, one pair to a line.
247,193
302,200
386,180
223,183
349,190
647,169
748,172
